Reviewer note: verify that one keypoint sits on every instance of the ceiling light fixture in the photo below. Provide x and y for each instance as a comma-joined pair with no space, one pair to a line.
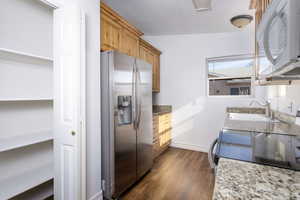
241,21
202,5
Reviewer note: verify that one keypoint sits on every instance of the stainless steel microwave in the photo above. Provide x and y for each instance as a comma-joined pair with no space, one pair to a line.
278,38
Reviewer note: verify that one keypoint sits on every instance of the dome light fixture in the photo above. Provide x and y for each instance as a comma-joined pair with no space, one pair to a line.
202,5
241,21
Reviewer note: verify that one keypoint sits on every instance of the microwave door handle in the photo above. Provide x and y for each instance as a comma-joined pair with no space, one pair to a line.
266,39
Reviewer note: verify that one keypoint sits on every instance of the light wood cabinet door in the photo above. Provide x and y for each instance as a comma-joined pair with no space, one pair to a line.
154,59
129,43
162,133
143,53
110,34
156,74
150,58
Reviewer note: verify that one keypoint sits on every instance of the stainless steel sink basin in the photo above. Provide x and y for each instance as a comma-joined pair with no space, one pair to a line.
249,117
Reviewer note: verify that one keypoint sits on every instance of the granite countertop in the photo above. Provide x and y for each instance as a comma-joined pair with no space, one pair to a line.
249,110
161,109
238,180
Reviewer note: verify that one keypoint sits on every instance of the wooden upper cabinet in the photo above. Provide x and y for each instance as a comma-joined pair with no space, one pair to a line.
129,44
156,74
151,55
117,33
142,52
110,34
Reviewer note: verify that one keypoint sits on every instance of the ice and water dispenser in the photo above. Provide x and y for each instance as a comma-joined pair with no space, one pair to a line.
124,110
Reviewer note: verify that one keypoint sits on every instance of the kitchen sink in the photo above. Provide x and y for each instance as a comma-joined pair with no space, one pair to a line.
249,117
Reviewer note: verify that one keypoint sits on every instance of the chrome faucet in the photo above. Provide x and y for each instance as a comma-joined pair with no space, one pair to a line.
266,104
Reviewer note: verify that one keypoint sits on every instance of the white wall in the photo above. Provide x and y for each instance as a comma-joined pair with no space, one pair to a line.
92,10
197,119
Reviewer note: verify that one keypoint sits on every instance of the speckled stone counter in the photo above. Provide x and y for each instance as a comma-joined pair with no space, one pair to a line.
161,109
237,180
249,110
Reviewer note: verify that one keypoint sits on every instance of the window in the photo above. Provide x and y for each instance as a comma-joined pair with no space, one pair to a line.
230,76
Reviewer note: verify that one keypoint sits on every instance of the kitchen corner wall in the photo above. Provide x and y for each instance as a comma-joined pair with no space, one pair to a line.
93,90
197,118
285,99
93,115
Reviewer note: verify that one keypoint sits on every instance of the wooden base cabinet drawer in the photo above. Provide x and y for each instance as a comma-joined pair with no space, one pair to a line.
162,133
164,123
165,117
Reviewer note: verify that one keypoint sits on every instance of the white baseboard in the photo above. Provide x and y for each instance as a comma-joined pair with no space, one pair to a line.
192,147
97,196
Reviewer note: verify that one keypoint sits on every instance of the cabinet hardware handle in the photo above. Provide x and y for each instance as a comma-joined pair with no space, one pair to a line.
73,133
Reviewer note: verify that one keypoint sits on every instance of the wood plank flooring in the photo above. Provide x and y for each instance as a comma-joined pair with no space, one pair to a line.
176,175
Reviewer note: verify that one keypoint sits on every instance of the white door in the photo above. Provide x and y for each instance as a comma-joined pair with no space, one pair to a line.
69,103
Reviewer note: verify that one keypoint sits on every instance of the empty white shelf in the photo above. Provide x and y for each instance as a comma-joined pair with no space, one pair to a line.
25,99
12,54
42,191
22,182
25,140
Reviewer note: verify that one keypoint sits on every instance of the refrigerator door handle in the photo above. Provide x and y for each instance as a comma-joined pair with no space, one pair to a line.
139,102
134,107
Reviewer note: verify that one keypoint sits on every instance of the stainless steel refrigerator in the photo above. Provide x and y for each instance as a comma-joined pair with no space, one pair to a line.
126,119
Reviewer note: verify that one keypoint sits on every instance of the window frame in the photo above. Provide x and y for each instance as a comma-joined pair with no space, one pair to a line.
231,58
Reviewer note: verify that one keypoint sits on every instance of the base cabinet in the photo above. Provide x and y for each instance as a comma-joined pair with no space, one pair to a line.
162,133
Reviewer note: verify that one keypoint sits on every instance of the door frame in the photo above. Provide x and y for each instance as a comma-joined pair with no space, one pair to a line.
81,151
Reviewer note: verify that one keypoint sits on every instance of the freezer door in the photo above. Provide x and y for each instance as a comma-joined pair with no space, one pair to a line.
144,118
123,82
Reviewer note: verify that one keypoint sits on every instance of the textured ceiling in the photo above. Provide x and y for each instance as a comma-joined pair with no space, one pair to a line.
167,17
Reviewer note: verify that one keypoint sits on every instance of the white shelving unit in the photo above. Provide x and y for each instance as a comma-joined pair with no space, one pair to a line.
18,55
44,191
25,181
25,140
26,99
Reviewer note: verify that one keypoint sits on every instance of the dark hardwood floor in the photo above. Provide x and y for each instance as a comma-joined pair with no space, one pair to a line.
176,175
